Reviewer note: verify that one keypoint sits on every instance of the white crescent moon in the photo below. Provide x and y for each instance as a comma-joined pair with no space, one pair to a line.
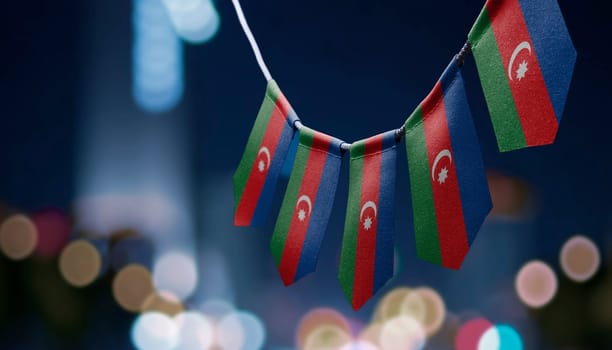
305,198
368,204
266,152
522,46
443,153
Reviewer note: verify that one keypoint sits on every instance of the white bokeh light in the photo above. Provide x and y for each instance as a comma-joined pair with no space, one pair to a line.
500,337
490,340
401,333
176,272
195,331
154,331
253,330
360,345
231,333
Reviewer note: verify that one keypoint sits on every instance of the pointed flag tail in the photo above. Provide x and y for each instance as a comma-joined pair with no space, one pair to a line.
307,205
525,60
450,195
366,261
262,161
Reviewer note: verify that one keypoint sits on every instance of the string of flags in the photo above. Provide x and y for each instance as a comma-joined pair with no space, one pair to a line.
525,60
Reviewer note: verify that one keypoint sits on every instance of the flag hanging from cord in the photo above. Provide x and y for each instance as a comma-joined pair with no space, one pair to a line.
450,194
525,60
366,261
307,205
261,164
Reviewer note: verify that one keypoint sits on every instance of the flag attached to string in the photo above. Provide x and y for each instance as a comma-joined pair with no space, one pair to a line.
525,60
257,174
366,261
307,205
450,195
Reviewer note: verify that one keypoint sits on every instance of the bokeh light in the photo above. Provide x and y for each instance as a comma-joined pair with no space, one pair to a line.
252,331
195,331
176,272
230,333
157,58
132,286
500,337
413,305
470,333
579,258
53,232
327,337
80,263
510,339
427,307
490,340
154,331
360,345
371,334
164,302
317,318
390,305
195,21
402,333
18,237
536,284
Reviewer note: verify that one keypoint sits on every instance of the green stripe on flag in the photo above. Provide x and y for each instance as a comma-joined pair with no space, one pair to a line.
425,225
287,210
257,134
498,95
346,273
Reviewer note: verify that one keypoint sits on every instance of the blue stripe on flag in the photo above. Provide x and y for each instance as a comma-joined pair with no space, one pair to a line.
385,254
473,186
553,47
322,207
267,192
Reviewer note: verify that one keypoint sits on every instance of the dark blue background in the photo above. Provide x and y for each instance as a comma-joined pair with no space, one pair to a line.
350,68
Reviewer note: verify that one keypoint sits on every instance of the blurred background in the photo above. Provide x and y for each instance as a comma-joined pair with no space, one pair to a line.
123,121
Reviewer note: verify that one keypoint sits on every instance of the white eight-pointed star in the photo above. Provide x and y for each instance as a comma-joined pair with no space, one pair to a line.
367,223
261,166
522,69
442,176
301,215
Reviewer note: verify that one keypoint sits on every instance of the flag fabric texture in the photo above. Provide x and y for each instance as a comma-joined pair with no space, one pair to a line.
525,60
450,194
261,164
366,261
307,205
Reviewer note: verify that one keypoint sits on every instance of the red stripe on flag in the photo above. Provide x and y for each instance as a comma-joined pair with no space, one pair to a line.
255,183
528,88
452,234
365,258
283,104
309,187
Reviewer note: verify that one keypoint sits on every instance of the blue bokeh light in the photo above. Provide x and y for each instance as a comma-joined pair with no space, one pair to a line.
158,81
195,21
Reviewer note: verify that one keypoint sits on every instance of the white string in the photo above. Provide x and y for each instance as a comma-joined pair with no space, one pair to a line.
264,69
249,35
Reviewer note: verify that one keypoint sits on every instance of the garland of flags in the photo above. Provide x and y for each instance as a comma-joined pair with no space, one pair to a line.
525,60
